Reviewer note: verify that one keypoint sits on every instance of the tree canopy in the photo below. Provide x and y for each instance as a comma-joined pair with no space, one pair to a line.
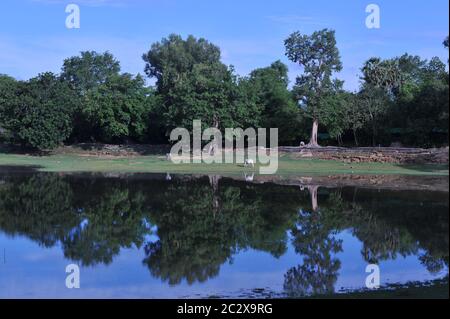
40,113
401,99
195,85
319,58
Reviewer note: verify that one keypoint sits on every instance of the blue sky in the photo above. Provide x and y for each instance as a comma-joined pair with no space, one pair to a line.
34,39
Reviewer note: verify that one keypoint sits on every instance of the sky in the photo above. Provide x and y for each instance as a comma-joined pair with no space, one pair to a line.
250,33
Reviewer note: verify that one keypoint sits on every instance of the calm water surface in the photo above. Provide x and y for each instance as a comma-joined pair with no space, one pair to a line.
146,236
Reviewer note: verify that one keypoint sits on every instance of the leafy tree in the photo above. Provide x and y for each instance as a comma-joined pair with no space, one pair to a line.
118,109
341,113
8,87
319,57
41,114
194,84
421,109
416,102
355,116
89,70
157,131
170,60
374,103
278,108
113,107
208,94
385,74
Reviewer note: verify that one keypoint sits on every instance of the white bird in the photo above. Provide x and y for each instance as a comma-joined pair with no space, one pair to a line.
249,162
248,177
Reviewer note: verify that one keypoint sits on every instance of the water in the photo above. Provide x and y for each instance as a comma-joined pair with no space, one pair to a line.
147,236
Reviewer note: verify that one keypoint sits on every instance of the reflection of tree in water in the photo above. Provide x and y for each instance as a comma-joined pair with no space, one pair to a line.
39,207
201,226
413,223
92,221
112,220
193,241
314,239
387,224
202,223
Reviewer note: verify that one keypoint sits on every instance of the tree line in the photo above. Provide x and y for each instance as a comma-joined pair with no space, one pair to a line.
403,99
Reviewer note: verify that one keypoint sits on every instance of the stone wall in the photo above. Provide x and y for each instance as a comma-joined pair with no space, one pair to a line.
372,154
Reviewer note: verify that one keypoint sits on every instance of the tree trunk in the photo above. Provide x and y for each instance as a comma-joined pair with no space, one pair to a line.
213,146
214,182
313,193
355,137
339,139
315,130
374,129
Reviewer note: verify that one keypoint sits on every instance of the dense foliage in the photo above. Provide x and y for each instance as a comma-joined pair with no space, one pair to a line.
319,57
402,100
38,113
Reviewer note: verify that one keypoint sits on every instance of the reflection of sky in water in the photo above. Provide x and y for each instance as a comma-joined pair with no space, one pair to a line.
33,271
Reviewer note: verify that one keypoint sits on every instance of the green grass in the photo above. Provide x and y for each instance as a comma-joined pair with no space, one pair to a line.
158,164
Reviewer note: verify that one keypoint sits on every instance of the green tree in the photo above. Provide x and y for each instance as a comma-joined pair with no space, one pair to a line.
8,87
194,84
374,103
319,57
119,108
355,116
416,101
385,74
341,113
113,107
41,114
89,70
421,109
269,88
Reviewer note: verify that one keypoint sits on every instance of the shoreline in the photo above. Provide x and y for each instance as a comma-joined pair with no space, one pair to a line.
433,183
395,155
297,162
158,164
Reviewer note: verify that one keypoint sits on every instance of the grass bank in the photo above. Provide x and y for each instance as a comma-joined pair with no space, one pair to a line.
158,164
